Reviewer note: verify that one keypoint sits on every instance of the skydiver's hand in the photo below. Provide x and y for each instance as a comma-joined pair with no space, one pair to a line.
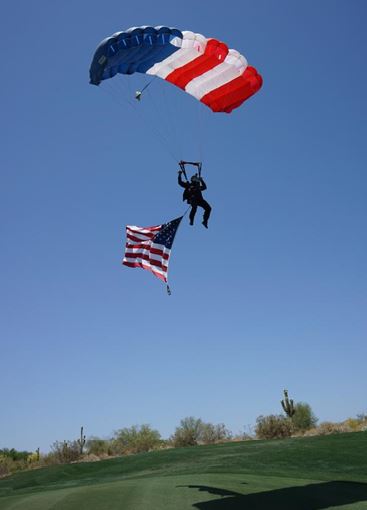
179,172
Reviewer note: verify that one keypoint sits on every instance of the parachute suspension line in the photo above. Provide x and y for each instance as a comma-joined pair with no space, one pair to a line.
165,118
116,97
160,118
115,94
126,86
170,114
147,119
119,94
201,133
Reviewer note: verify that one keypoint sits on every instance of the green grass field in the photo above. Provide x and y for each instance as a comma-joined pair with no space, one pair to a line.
298,474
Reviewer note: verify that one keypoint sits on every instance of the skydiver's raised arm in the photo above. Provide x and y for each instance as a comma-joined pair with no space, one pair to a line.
202,184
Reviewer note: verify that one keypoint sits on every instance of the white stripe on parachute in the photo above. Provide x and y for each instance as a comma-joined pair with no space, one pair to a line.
231,68
191,47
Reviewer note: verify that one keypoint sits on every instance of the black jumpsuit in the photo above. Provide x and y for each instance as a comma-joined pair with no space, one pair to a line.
193,196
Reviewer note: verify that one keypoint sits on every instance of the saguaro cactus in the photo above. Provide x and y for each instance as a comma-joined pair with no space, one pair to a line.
287,405
81,441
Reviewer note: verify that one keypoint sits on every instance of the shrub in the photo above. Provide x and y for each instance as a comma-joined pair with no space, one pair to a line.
64,452
328,427
136,439
99,447
34,458
303,418
273,426
210,433
353,424
50,459
193,431
362,418
8,465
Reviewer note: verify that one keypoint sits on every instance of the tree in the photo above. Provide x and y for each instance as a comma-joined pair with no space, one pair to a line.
14,454
188,433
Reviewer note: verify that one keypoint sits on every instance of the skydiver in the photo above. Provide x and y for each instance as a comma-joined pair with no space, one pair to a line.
192,193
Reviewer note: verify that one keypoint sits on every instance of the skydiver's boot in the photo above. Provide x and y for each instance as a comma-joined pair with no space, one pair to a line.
191,222
205,223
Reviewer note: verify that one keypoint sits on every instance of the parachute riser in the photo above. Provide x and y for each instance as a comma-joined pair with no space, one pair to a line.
193,163
182,166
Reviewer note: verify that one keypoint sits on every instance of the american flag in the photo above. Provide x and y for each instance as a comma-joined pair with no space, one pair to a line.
150,247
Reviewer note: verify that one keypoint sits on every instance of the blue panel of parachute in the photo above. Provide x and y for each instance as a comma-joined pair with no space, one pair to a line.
132,51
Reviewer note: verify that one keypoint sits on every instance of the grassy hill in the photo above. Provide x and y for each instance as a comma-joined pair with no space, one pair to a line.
303,473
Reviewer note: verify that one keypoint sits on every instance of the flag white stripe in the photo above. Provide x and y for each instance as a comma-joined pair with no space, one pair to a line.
160,247
141,237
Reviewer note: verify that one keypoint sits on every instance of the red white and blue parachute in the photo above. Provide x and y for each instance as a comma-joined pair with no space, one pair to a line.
204,67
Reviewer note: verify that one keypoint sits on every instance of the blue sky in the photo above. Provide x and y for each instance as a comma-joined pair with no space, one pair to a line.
272,296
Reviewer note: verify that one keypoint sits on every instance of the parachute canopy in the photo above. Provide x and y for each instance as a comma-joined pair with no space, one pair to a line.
204,67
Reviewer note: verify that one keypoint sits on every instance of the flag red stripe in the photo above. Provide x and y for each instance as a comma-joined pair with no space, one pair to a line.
147,263
153,262
163,254
147,248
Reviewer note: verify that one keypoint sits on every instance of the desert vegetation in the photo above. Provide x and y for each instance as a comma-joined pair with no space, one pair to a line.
297,419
